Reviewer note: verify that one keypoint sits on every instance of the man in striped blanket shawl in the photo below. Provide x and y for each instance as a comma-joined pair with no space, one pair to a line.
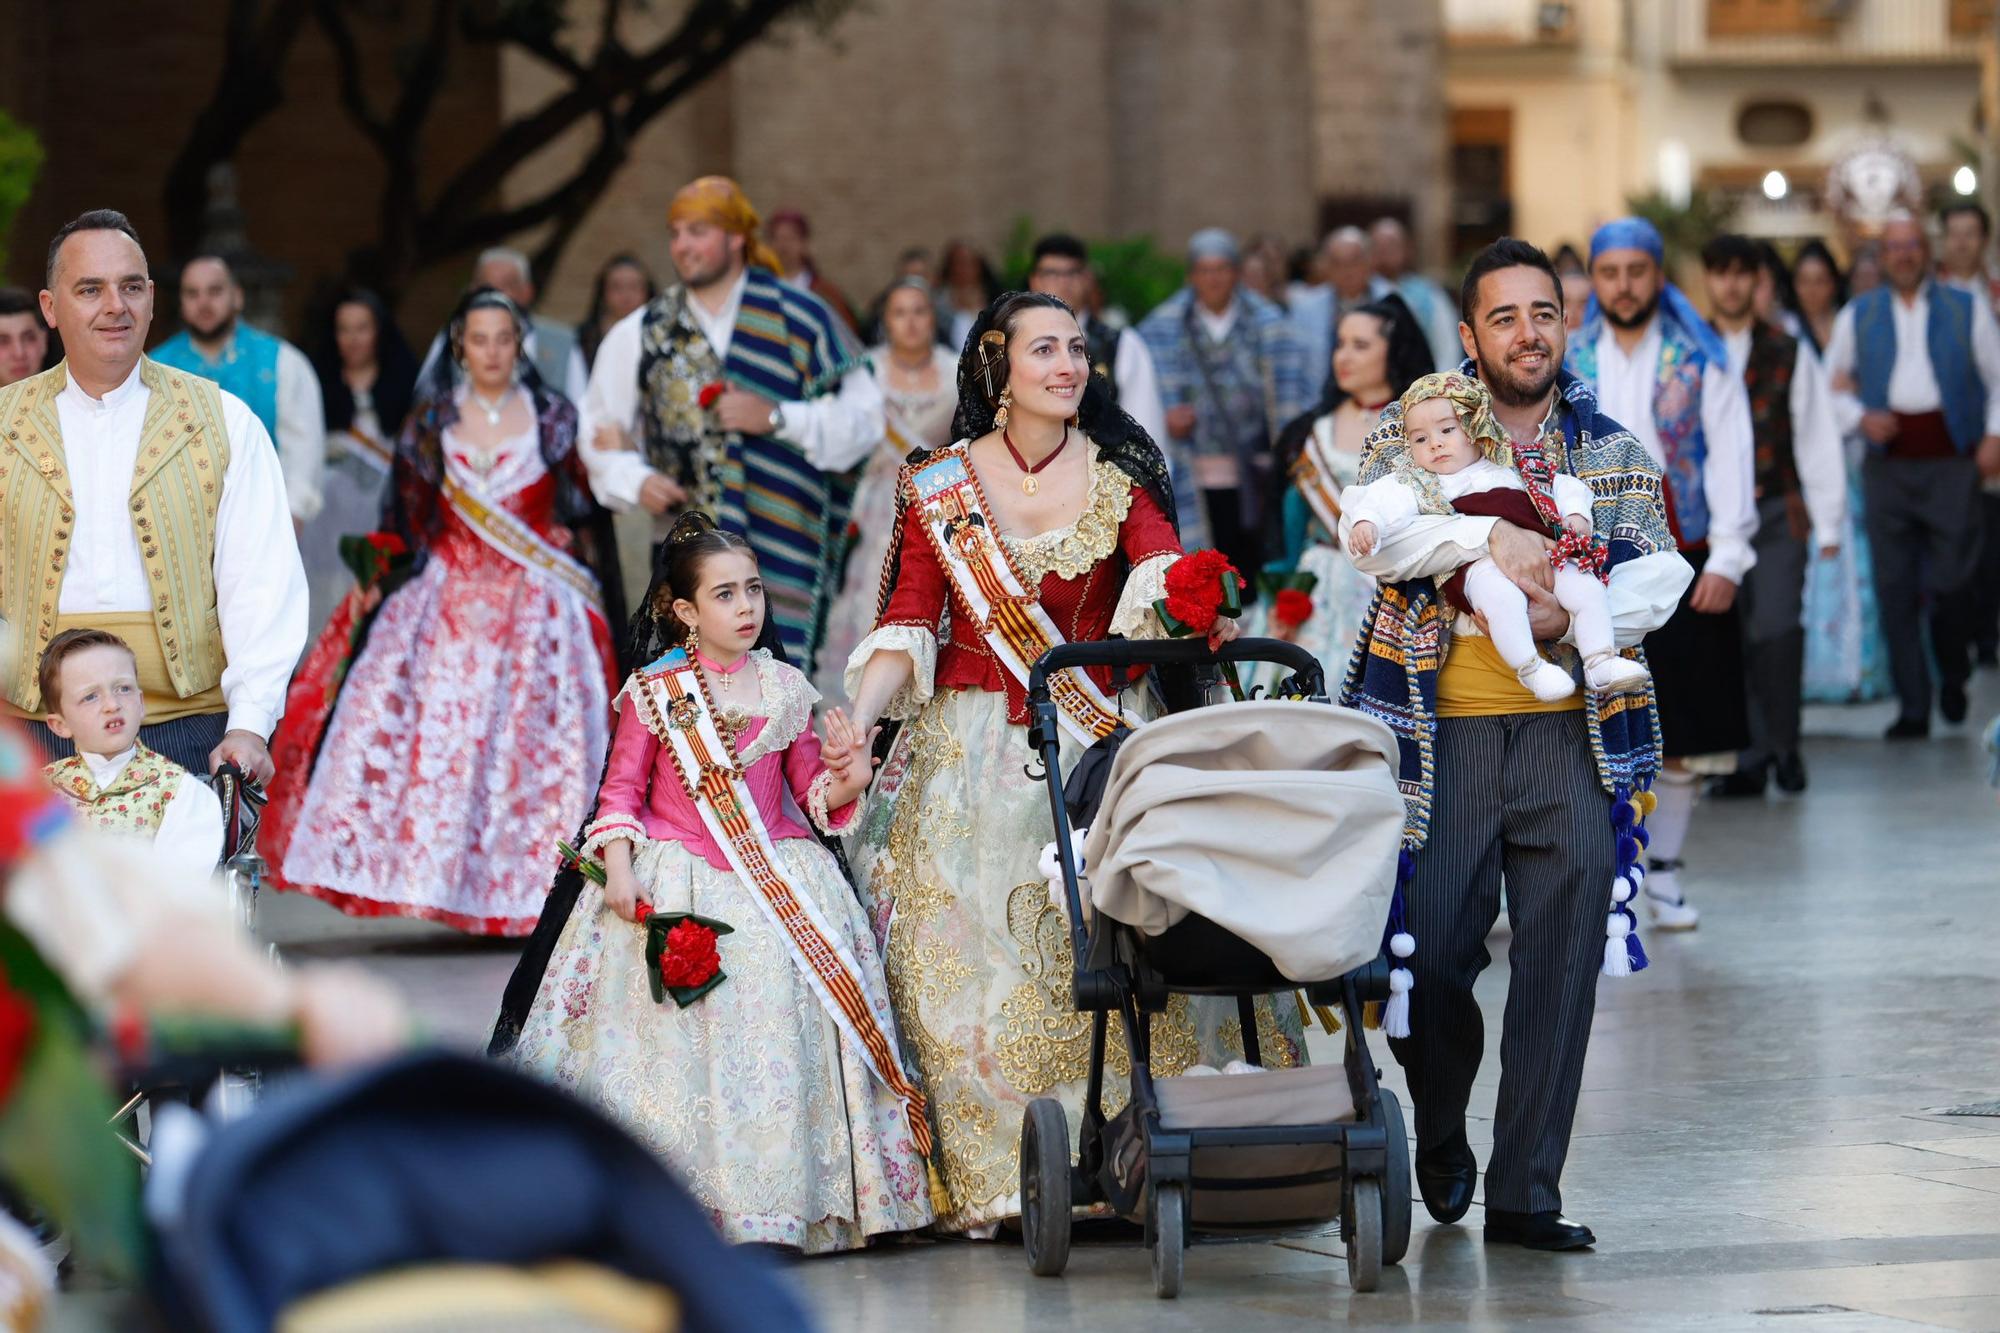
735,393
1550,796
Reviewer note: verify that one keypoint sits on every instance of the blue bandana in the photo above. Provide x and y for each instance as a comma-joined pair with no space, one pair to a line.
1639,234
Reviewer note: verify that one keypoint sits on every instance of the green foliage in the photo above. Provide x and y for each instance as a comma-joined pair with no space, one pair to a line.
20,163
1133,272
1683,228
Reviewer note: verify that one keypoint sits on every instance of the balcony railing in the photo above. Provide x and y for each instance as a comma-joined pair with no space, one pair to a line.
1510,22
1860,32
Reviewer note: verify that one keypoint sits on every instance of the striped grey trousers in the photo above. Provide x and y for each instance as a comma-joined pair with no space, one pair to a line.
185,740
1516,798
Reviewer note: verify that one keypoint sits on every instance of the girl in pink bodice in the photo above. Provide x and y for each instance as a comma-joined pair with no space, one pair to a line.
770,1092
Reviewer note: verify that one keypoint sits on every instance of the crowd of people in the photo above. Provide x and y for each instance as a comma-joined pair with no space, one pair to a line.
550,583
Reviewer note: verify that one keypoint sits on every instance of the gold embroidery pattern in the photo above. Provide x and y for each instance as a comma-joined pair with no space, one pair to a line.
1074,551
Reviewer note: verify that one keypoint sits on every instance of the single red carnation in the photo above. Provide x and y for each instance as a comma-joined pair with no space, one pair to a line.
1193,612
1292,607
17,1034
388,543
690,957
643,911
710,392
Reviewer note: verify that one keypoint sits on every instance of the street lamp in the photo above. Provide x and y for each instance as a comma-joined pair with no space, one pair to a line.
1965,180
1776,186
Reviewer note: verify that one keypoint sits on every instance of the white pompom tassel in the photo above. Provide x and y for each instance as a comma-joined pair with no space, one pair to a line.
1621,890
1396,1013
1402,944
1617,962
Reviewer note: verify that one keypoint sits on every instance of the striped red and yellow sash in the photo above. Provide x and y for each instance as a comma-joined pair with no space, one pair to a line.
676,708
508,534
1011,619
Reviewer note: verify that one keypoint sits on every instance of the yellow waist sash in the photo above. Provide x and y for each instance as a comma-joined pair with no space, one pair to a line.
138,630
1475,682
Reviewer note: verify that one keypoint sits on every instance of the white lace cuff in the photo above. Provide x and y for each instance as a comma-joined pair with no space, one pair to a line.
1134,617
920,644
824,821
609,829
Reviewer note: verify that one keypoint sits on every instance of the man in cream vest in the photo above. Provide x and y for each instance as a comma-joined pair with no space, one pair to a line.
148,502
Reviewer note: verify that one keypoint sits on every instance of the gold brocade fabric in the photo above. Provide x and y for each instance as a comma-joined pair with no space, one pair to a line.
979,961
155,684
1475,682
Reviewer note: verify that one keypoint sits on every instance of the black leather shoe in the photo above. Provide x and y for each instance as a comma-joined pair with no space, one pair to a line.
1951,701
1791,773
1536,1231
1445,1177
1908,729
1743,782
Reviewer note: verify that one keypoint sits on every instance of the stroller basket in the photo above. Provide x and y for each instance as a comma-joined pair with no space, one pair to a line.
1249,1151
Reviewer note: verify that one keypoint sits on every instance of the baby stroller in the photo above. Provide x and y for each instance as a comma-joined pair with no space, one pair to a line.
438,1190
1206,817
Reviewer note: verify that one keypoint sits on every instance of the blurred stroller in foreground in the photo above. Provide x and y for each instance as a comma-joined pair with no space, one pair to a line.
1242,850
439,1190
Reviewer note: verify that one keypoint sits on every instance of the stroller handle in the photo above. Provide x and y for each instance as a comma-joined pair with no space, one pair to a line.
1191,651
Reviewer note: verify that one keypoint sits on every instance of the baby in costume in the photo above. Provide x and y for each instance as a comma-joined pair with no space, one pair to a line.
1460,462
90,684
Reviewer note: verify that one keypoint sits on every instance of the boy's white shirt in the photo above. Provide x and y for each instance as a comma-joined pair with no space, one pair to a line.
188,844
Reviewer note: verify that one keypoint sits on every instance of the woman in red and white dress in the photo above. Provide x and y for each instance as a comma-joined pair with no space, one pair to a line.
469,729
947,852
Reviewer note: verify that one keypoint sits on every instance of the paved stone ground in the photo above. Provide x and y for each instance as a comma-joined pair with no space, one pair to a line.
1760,1141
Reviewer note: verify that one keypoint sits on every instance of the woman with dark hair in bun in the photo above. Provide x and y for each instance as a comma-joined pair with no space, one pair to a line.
429,772
1052,505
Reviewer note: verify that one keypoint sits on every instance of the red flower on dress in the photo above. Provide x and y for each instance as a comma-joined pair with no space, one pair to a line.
1292,607
690,957
17,1034
710,392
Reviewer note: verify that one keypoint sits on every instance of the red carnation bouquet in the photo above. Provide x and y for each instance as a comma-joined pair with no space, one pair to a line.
374,556
682,959
1291,608
1202,586
681,955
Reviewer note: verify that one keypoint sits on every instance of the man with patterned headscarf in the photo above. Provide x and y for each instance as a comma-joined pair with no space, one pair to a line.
737,394
1657,367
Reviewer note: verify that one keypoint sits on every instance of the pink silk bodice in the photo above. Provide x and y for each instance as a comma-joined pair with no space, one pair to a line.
642,783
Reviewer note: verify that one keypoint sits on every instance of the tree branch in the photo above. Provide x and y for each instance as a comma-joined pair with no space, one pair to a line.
352,95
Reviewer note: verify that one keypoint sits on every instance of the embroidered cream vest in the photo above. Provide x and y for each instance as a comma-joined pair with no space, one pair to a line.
176,492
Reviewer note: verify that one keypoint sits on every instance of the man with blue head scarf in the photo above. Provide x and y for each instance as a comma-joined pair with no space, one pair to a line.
1659,368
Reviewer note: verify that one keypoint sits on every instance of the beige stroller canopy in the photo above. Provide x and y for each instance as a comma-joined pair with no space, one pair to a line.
1279,821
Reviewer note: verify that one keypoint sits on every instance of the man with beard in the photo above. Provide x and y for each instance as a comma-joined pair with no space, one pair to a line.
145,501
1657,366
1801,487
265,371
1500,785
740,395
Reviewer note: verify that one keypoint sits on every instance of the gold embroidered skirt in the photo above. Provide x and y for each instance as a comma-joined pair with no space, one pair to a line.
979,960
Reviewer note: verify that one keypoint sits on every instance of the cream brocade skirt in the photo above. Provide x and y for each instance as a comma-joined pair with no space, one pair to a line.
979,960
750,1094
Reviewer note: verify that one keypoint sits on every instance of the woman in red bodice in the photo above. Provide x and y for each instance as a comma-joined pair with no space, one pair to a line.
430,771
1051,519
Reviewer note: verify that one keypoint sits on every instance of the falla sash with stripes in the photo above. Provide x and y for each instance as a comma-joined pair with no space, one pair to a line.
1316,483
676,707
1011,619
508,534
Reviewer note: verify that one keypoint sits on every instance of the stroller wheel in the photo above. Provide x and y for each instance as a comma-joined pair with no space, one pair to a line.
1169,1239
1045,1187
1395,1183
1364,1235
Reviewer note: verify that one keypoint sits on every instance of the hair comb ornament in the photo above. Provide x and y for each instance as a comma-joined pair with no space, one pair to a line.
992,349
